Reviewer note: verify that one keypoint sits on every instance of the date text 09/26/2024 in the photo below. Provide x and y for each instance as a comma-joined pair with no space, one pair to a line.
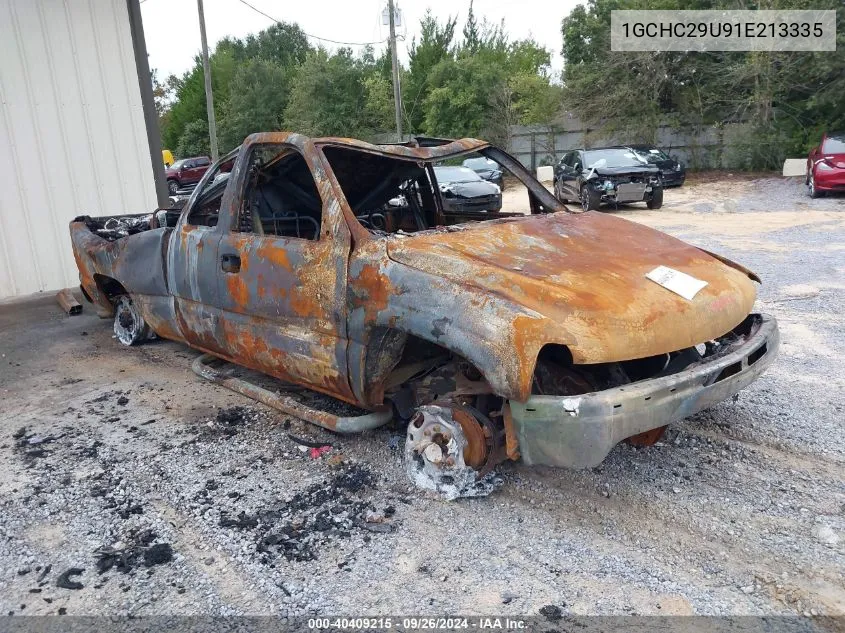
418,623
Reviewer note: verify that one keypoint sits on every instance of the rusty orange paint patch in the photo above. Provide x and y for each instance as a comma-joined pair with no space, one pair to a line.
305,305
238,289
249,345
373,290
274,254
529,335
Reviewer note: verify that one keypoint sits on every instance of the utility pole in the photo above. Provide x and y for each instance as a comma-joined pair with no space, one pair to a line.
209,98
397,101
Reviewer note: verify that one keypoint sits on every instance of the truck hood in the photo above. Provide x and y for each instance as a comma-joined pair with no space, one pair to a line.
584,277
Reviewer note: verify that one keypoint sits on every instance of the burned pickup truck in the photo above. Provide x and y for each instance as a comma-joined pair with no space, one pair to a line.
547,337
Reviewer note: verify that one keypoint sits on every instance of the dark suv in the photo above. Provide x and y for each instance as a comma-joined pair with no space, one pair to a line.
607,175
186,171
672,171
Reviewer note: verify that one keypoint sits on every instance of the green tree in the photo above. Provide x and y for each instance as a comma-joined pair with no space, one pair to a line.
378,88
329,97
379,103
189,104
598,81
487,84
164,94
782,99
472,34
484,38
284,43
274,79
528,57
460,104
161,95
258,96
536,101
434,46
194,140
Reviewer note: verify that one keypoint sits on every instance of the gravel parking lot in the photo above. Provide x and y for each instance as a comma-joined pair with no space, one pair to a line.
165,494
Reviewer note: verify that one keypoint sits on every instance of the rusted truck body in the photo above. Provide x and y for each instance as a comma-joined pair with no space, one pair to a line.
544,337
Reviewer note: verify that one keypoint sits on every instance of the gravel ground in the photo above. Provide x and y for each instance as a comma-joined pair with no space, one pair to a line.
171,495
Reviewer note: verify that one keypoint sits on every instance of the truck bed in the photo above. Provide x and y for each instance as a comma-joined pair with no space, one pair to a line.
115,227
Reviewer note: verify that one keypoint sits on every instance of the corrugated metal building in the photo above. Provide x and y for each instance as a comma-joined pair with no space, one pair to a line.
73,138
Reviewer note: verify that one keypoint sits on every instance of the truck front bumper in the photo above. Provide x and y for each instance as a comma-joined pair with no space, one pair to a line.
579,431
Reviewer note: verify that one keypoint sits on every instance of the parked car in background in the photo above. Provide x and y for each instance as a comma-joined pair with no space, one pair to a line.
826,165
672,171
610,175
461,189
488,169
185,172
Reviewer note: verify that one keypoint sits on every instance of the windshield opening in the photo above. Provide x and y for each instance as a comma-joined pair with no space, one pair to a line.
453,175
613,158
834,144
480,164
391,194
651,154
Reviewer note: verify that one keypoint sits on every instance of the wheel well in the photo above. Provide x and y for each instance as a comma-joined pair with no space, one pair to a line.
556,353
555,374
390,350
109,287
85,294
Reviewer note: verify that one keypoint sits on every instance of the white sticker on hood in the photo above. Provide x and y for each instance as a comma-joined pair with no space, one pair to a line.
676,281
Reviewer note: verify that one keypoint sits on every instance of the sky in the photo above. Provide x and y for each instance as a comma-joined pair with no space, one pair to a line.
171,27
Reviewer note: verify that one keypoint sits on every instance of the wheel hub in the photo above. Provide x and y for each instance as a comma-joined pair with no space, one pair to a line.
129,327
126,319
444,449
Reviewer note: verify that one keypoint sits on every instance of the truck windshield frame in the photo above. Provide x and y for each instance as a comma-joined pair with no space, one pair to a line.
373,195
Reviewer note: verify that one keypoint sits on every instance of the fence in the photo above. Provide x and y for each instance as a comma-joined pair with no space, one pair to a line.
705,148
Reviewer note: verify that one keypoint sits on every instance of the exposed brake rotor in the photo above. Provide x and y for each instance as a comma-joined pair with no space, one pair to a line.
451,450
477,448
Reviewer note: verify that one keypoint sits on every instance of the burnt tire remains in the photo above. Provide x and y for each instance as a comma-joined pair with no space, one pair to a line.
436,451
129,326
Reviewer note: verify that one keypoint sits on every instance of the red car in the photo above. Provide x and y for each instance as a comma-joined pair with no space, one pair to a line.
826,165
186,171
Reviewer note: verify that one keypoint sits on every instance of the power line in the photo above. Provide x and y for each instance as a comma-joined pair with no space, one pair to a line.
324,39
